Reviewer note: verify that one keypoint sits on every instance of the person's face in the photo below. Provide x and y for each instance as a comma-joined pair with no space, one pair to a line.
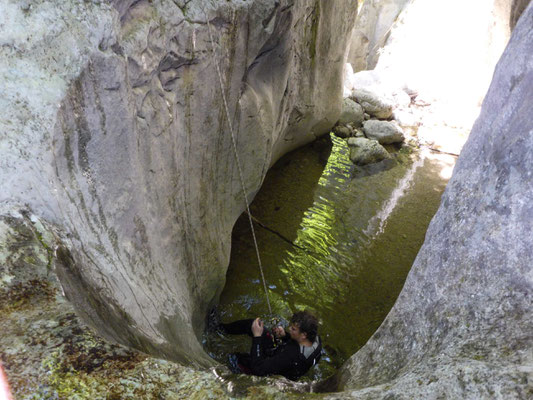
294,332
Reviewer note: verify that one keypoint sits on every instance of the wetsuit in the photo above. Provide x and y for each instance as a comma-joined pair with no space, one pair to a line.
266,358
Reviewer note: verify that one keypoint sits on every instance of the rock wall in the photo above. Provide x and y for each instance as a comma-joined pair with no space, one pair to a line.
116,133
372,28
517,8
463,325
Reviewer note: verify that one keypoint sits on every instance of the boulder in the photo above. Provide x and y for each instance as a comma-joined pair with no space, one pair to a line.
364,151
352,113
461,327
384,132
373,104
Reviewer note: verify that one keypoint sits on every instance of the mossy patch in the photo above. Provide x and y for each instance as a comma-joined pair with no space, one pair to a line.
25,294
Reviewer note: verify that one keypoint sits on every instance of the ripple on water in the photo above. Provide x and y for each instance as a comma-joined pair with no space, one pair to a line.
355,233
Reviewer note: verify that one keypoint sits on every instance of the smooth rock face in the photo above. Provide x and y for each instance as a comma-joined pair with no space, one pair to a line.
364,151
371,31
352,113
384,132
462,326
372,103
117,133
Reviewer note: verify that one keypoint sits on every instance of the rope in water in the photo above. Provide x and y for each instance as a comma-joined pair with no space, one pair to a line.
217,67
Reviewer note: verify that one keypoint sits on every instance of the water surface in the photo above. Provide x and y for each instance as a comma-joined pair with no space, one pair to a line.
333,238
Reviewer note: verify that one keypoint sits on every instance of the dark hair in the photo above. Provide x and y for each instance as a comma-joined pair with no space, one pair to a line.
307,323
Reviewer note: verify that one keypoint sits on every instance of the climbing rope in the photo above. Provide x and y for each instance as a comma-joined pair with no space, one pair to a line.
217,67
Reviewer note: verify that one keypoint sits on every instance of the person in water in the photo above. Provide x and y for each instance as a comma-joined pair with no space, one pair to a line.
289,353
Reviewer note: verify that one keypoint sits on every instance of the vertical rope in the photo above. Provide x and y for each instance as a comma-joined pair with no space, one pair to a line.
241,176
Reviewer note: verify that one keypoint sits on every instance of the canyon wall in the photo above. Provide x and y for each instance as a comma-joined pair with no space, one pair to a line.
117,134
462,325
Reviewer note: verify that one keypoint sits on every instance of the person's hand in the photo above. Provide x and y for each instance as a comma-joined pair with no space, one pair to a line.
257,327
279,331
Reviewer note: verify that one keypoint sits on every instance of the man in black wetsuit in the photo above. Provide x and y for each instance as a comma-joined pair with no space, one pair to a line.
299,348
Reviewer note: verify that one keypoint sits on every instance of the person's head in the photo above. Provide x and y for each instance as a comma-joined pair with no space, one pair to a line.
304,325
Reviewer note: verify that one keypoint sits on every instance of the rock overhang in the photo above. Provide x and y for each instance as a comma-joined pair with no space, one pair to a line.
132,157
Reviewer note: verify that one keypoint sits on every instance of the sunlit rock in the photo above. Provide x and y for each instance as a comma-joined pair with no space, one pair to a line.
449,68
375,105
384,132
352,113
372,29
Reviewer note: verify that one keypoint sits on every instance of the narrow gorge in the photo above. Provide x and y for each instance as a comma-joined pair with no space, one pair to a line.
130,128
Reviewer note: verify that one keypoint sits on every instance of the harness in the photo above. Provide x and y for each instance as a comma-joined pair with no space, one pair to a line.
303,364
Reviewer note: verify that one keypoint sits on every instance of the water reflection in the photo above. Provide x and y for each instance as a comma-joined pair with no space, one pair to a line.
336,266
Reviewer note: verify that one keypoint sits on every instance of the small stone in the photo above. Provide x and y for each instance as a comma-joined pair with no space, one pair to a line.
366,116
405,118
359,133
384,132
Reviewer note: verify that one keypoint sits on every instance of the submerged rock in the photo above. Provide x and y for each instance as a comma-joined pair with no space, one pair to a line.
365,151
384,132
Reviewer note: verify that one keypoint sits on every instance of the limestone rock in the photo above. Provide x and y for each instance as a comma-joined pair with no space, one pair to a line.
373,104
115,130
384,132
461,327
352,113
371,31
364,151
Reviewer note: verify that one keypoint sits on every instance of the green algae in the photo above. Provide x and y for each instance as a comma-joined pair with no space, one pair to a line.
338,261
